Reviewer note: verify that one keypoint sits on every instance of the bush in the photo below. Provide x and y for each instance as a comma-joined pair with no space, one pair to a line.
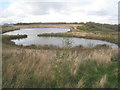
85,27
115,58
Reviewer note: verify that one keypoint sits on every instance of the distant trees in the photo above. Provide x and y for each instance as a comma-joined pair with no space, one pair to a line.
92,25
102,26
20,23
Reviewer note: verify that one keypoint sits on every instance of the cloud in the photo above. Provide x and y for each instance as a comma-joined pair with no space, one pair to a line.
45,7
60,11
32,8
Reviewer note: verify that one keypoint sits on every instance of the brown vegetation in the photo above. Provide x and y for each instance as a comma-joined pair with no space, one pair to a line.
32,67
90,35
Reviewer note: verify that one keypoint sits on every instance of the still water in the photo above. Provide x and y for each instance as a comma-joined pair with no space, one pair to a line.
33,39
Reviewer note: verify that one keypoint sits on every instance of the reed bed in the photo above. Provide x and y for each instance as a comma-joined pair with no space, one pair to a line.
8,29
37,68
29,67
106,37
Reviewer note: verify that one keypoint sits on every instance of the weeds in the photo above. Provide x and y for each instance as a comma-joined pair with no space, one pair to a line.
8,29
115,58
37,68
86,28
109,38
32,68
6,38
62,65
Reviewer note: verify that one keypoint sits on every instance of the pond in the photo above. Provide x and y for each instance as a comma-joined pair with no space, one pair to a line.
33,39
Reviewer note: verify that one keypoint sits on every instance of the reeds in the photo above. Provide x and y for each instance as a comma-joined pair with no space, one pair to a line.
37,68
109,38
6,38
25,67
8,29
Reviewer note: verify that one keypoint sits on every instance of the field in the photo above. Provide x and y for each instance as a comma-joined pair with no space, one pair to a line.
51,67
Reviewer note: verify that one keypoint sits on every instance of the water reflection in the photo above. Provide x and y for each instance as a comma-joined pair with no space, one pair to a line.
33,39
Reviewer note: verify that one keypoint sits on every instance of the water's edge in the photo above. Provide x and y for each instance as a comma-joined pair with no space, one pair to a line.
33,39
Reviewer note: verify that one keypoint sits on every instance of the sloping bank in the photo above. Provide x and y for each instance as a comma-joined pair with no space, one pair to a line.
6,38
108,38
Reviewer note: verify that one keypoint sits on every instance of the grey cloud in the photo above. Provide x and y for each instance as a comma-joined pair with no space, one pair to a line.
24,9
111,11
42,8
98,13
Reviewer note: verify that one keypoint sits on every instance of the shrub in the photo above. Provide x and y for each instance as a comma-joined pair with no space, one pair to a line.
115,58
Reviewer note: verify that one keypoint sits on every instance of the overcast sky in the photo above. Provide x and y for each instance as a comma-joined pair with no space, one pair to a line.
102,11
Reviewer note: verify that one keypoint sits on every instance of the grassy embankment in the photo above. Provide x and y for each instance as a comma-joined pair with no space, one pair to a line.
6,39
108,38
8,28
37,68
88,32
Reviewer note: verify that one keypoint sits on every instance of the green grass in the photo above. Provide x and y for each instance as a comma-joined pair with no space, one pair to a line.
91,72
115,58
86,28
8,29
15,36
112,40
4,31
17,71
21,69
6,38
98,27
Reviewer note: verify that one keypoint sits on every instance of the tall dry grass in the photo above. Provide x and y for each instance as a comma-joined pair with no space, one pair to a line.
20,63
39,68
110,37
34,68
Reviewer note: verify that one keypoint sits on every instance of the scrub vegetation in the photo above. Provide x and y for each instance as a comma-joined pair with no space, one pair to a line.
8,28
107,37
29,67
